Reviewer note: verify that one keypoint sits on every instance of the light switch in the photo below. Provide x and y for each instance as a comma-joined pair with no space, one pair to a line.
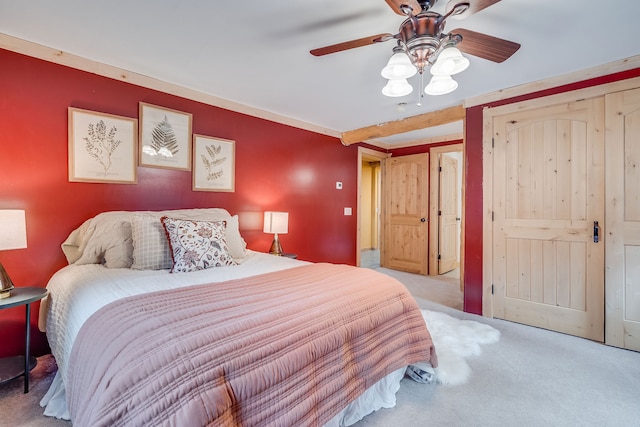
338,185
347,211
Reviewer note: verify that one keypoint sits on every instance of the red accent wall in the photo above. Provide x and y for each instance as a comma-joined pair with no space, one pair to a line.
473,195
278,167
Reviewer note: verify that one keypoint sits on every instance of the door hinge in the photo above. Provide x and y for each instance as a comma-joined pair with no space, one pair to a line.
493,142
439,168
439,213
492,289
439,257
492,216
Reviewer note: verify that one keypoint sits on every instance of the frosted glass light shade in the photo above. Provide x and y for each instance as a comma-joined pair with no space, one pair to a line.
449,62
397,87
440,85
276,222
399,67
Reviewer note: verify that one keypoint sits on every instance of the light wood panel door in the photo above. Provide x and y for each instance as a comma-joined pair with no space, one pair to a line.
448,241
548,189
405,182
623,220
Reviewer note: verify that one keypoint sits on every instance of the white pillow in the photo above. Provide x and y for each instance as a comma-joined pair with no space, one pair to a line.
237,245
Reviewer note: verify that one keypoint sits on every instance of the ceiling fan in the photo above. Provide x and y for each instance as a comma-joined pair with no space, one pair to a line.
421,42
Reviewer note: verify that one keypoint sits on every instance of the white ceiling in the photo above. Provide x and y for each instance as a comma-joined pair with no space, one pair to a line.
256,52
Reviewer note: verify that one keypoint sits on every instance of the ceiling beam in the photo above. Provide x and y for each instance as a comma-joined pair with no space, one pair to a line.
408,124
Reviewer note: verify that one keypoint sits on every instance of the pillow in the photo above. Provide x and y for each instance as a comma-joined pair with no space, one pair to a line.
197,245
106,240
71,246
237,245
150,246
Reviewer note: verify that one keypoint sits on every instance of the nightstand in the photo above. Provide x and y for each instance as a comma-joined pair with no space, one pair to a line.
13,367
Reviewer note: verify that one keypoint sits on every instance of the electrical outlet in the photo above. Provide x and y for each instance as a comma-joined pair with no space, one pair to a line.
338,185
347,211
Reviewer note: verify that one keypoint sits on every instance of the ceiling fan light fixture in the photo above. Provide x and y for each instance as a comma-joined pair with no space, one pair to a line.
449,62
441,85
396,88
399,67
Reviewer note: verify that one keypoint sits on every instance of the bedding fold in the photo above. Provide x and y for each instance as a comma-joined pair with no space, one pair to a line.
290,347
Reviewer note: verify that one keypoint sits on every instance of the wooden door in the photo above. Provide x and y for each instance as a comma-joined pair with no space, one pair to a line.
405,182
548,188
448,241
623,220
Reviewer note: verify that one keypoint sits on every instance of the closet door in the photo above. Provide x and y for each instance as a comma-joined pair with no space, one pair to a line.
623,219
548,189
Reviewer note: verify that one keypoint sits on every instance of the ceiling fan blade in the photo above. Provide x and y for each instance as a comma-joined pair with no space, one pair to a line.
396,5
352,44
474,6
485,46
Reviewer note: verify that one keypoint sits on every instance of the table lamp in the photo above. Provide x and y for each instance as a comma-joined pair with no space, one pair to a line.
276,223
13,235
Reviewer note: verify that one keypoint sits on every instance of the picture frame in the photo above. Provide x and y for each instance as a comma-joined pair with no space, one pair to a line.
213,164
165,137
102,147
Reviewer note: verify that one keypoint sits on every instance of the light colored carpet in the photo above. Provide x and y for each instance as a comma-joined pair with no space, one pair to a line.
443,290
18,409
531,377
370,258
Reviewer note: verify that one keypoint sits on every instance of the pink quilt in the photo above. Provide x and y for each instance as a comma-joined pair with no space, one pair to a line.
292,347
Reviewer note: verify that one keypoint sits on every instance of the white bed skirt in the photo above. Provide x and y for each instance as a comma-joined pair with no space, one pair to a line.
380,395
54,401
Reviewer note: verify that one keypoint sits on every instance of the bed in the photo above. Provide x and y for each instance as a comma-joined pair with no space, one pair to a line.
165,318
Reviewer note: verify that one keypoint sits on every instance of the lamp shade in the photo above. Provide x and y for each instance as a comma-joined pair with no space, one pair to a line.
13,229
399,67
13,235
440,85
276,222
397,87
449,62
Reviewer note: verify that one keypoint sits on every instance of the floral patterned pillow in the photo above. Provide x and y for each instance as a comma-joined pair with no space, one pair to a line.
197,245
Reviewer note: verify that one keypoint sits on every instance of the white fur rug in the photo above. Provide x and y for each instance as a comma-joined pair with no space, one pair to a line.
456,340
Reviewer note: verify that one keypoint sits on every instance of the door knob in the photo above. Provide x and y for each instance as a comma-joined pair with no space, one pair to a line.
423,219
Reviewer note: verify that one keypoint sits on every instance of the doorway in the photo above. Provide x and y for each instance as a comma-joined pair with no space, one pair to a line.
369,207
445,211
370,213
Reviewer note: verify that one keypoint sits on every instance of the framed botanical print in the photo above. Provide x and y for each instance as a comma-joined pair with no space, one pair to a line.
102,147
165,138
213,164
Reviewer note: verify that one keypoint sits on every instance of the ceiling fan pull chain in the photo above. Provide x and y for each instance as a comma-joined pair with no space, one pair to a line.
420,91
